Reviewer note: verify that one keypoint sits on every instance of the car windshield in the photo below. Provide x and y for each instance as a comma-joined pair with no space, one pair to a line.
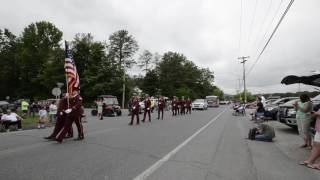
290,103
279,100
316,99
110,101
199,101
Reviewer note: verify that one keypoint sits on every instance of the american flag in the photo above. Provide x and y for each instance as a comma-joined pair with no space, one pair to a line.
71,70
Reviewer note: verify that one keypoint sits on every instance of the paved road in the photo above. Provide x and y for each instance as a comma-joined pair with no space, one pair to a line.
204,145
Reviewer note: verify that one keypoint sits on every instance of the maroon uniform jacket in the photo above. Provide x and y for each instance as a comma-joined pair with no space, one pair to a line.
183,103
135,106
147,104
174,104
75,104
161,104
188,102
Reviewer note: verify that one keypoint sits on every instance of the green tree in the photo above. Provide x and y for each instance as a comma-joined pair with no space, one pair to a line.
39,44
9,74
150,83
145,60
122,47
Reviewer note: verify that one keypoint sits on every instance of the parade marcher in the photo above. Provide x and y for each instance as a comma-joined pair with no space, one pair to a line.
74,113
183,106
61,118
134,110
188,103
174,105
147,108
161,105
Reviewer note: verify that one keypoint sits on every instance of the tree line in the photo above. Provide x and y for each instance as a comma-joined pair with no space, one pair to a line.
32,63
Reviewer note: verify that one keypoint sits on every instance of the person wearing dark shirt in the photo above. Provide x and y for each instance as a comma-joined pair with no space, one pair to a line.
260,109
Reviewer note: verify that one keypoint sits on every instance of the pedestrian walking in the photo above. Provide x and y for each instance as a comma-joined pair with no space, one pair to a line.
73,114
147,108
135,110
174,105
183,106
161,105
60,121
188,105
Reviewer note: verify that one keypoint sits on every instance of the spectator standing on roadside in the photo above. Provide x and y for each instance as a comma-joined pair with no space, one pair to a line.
99,103
260,109
315,152
24,107
303,117
34,108
42,117
53,112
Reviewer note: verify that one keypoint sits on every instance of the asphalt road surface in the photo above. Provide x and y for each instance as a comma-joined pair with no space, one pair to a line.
205,145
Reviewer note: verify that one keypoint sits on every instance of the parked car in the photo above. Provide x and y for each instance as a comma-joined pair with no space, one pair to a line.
110,106
199,104
271,110
287,113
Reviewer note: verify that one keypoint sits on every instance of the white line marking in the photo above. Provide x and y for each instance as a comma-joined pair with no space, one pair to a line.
160,162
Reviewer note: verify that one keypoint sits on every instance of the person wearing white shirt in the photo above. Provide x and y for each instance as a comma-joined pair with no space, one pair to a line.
11,118
42,117
53,112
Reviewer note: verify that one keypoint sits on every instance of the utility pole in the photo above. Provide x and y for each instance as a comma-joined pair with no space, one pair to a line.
240,89
243,61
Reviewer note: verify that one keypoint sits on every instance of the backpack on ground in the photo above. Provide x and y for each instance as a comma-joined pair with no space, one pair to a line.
252,133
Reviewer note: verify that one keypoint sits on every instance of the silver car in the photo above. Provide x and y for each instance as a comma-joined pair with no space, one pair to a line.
199,104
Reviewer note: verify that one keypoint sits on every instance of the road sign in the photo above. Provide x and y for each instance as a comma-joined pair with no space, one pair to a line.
56,91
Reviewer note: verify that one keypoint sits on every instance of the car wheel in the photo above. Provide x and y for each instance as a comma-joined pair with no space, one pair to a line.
119,113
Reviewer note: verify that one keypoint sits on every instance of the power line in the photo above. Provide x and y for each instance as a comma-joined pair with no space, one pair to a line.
269,25
251,25
240,38
274,31
264,21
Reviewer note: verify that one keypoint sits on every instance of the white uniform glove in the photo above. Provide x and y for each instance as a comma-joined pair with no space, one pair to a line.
68,111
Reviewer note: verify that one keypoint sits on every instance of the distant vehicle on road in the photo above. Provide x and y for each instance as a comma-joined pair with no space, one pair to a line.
199,104
110,106
223,102
213,101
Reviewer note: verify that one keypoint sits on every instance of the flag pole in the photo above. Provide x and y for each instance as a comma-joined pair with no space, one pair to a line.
68,101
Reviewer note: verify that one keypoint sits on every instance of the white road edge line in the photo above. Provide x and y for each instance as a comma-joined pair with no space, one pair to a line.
160,162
